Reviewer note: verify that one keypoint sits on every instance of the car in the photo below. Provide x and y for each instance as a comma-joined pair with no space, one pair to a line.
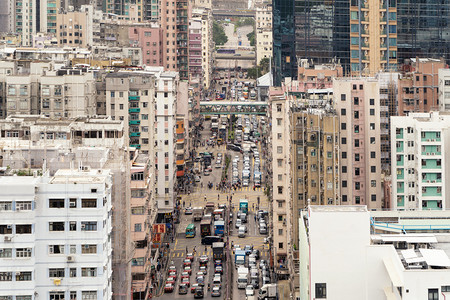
185,275
265,280
216,291
249,290
245,182
255,283
217,279
248,249
204,258
193,287
200,273
186,281
199,293
200,279
238,223
218,165
173,269
217,262
171,280
218,270
187,262
188,269
256,253
172,274
236,157
206,173
168,288
190,256
254,273
204,269
197,178
183,289
188,211
265,273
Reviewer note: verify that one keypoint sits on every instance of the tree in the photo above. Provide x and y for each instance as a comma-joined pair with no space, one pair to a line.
251,38
260,70
219,36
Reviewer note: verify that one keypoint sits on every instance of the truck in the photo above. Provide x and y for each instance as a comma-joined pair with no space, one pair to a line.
252,94
205,226
257,179
239,258
219,228
242,280
243,205
268,291
197,213
218,249
209,208
214,126
246,148
223,131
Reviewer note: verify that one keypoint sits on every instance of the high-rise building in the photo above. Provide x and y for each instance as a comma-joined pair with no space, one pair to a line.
420,168
444,89
6,11
373,37
357,102
422,29
56,235
263,25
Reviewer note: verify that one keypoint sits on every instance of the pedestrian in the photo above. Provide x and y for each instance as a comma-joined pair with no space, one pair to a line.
183,203
186,249
218,196
205,198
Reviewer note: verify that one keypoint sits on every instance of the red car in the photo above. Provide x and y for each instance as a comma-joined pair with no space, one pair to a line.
188,269
172,274
186,282
168,288
172,269
185,275
170,280
186,262
190,256
194,286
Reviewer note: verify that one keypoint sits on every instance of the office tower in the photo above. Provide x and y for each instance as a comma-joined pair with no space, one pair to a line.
373,37
315,30
56,235
357,102
420,167
284,59
423,29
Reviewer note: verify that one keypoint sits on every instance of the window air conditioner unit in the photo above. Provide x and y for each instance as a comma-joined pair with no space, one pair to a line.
70,258
17,273
9,226
428,153
7,239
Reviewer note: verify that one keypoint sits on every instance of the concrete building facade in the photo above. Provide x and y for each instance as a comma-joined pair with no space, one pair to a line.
420,167
56,235
263,30
357,102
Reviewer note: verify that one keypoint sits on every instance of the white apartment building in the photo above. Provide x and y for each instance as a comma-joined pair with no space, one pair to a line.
281,187
264,37
55,235
444,89
339,259
419,166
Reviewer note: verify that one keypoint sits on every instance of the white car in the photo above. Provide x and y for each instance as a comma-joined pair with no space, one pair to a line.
249,290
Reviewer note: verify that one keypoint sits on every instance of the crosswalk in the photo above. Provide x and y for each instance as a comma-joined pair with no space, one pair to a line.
182,254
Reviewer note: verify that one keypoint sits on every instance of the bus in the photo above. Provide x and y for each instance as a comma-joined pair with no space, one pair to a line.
205,226
226,51
190,231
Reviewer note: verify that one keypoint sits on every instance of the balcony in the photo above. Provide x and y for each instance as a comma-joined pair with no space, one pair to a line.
134,122
134,98
134,110
134,134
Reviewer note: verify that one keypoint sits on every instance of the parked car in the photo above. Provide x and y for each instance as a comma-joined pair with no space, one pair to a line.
183,289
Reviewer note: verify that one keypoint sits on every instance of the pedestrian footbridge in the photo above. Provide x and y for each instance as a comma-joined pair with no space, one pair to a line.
233,108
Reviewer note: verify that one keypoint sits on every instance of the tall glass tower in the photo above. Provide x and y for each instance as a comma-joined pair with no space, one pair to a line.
423,28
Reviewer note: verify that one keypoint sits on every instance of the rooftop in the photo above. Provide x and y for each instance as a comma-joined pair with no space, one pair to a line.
76,176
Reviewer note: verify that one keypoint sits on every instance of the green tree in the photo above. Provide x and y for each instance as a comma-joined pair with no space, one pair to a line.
251,38
259,70
219,36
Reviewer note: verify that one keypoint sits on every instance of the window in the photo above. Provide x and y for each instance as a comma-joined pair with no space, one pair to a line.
356,100
373,197
280,231
138,227
23,297
279,162
23,276
344,169
280,177
356,129
344,155
56,226
5,252
321,290
372,112
373,169
344,183
5,276
6,205
357,157
138,261
279,119
89,295
280,204
280,245
343,111
73,272
89,249
279,136
343,126
73,202
56,249
373,183
356,114
89,272
372,154
343,97
279,149
88,203
56,203
138,210
357,185
56,295
343,141
372,126
372,140
344,198
280,190
23,252
56,272
372,101
278,107
5,229
89,226
356,143
433,294
357,199
357,172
